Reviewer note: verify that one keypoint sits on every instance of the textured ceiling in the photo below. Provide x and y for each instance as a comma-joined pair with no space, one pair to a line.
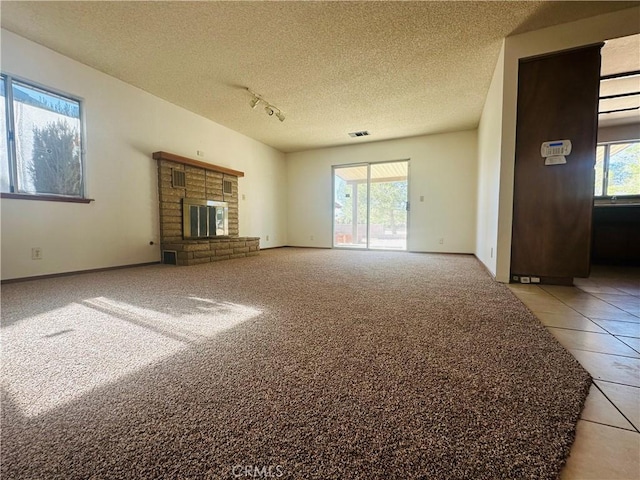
396,69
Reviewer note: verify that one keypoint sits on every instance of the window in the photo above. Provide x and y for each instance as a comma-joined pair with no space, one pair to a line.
41,149
617,169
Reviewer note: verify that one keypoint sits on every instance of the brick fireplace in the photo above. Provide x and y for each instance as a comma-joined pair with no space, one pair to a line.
199,212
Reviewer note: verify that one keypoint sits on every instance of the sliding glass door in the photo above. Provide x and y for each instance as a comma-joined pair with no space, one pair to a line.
388,205
370,205
351,192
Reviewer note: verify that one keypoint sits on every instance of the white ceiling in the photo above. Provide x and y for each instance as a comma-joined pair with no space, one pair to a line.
396,69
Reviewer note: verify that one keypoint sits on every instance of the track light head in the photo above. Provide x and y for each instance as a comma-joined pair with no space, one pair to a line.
271,110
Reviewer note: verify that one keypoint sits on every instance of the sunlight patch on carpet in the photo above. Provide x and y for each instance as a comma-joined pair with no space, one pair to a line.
64,353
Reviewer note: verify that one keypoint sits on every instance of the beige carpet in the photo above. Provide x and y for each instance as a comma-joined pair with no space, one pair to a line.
298,363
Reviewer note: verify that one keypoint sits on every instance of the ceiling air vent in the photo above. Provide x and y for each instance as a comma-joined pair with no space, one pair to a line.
363,133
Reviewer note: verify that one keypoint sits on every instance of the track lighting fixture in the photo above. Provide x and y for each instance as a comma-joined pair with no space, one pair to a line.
254,102
269,109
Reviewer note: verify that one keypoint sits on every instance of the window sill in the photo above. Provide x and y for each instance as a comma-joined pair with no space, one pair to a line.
627,200
45,198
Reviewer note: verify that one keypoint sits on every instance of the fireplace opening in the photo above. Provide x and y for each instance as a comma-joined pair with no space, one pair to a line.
204,218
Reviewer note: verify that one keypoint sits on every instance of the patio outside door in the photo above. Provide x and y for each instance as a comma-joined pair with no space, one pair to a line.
370,205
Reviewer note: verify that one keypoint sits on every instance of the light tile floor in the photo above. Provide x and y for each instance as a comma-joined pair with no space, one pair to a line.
598,321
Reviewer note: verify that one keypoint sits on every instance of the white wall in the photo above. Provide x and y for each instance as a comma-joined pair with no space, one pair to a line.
124,125
443,169
489,154
560,37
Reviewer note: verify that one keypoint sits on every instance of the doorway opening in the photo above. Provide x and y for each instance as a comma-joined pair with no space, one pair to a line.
370,205
615,228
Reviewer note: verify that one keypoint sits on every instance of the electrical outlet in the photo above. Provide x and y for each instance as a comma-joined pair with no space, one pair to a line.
36,253
200,153
267,238
441,241
310,237
525,280
535,279
422,198
491,252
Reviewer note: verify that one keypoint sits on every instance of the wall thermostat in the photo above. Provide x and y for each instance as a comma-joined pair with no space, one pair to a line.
556,147
554,152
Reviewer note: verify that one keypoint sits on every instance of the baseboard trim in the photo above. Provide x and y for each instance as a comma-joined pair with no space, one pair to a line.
76,272
486,268
296,246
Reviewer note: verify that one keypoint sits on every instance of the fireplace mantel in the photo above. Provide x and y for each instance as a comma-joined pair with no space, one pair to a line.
196,163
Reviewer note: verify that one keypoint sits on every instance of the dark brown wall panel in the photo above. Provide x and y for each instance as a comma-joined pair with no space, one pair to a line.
557,100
